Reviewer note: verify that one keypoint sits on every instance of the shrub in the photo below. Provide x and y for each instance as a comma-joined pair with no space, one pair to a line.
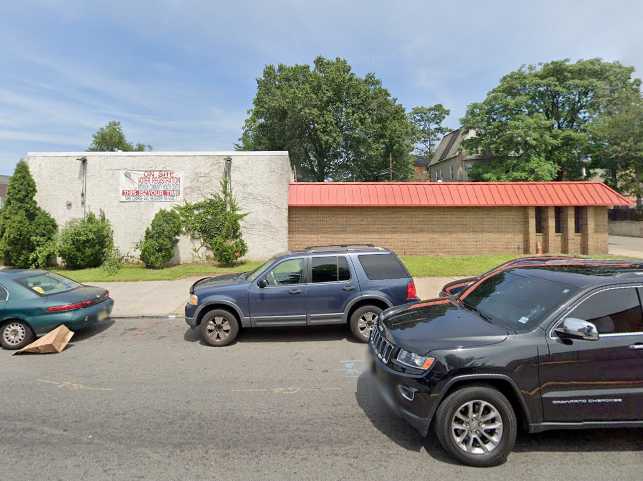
157,247
113,261
27,232
216,222
86,242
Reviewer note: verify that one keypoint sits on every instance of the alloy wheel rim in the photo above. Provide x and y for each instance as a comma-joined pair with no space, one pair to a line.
218,328
366,322
476,427
14,333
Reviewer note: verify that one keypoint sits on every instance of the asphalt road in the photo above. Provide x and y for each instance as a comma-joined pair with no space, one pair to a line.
143,399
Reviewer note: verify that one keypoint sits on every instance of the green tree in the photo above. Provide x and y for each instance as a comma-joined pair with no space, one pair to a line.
111,138
535,124
618,142
334,124
216,223
86,242
428,127
26,231
161,237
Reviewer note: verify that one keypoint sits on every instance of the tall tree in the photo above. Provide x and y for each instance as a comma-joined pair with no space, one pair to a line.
335,124
428,127
535,124
111,138
618,141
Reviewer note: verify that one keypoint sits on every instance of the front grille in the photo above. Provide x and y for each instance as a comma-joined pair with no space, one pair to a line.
382,347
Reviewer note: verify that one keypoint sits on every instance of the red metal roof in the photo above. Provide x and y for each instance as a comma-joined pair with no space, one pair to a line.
452,194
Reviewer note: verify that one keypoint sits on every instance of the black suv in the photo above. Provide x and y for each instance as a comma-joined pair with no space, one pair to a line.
544,347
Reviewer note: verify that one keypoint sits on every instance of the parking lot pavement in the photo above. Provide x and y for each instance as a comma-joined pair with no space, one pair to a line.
144,399
625,246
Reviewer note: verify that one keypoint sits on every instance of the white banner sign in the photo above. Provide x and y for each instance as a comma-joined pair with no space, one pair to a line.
151,186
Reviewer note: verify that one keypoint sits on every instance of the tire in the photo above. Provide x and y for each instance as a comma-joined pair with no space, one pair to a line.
498,441
219,328
15,334
362,321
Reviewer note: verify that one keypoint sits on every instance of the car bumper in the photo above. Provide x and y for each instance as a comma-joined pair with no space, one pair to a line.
407,396
77,319
191,314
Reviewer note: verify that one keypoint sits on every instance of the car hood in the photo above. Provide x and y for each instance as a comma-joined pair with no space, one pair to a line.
439,324
218,281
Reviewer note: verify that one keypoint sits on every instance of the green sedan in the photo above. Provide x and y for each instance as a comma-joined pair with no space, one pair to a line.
33,302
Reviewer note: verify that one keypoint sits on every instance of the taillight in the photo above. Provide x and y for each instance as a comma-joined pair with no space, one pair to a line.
70,307
411,293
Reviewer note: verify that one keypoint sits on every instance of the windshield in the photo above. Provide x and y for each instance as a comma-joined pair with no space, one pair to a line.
48,283
518,301
252,275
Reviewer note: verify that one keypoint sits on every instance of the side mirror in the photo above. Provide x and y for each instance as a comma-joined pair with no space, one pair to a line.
572,328
262,283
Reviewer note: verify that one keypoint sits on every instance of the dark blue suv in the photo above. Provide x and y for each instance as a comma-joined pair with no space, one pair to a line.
315,286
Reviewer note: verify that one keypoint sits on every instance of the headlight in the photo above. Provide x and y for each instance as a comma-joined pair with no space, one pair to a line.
414,360
194,299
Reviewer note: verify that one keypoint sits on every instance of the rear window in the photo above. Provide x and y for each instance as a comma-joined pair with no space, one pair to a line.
383,266
47,283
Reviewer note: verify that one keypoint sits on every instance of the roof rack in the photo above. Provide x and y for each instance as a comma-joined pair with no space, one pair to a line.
340,246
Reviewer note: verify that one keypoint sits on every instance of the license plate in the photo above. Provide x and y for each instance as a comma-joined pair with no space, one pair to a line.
102,315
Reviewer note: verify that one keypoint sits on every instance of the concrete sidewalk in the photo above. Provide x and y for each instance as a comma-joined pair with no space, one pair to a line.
167,298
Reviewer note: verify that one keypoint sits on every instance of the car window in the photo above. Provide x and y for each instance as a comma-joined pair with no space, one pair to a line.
518,301
286,273
47,283
330,269
612,311
382,266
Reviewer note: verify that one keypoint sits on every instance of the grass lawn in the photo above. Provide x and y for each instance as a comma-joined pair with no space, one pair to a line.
418,266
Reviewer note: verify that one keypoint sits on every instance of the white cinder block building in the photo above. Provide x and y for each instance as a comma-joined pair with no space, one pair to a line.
130,187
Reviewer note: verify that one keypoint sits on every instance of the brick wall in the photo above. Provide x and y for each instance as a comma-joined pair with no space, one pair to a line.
411,231
451,230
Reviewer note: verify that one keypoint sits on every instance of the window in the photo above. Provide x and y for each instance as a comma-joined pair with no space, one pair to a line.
46,284
330,269
286,273
612,311
579,219
539,220
383,266
558,214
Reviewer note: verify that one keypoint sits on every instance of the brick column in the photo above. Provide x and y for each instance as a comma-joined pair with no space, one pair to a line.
567,224
549,229
530,230
587,231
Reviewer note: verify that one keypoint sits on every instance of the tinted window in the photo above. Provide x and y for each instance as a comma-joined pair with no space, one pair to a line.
558,214
330,269
579,219
612,311
517,300
49,283
382,266
286,273
539,220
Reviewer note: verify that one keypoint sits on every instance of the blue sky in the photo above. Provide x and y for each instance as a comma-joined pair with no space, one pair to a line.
180,74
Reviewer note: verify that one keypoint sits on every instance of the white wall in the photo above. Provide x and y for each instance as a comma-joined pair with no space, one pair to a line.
259,182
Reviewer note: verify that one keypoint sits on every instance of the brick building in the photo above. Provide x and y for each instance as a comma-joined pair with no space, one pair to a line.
418,218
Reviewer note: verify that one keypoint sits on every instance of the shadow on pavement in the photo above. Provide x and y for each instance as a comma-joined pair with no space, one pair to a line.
572,441
285,334
91,331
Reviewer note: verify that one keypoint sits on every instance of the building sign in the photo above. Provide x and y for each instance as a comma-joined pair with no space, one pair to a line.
151,186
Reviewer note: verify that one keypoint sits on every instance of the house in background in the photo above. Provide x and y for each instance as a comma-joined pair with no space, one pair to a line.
421,167
4,185
450,161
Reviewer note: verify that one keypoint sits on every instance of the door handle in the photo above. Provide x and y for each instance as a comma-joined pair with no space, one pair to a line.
638,345
348,288
294,291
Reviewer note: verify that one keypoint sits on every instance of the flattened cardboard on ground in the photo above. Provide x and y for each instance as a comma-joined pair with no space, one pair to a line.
53,341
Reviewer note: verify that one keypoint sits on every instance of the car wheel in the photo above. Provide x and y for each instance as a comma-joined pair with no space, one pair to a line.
477,426
363,320
15,335
219,328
